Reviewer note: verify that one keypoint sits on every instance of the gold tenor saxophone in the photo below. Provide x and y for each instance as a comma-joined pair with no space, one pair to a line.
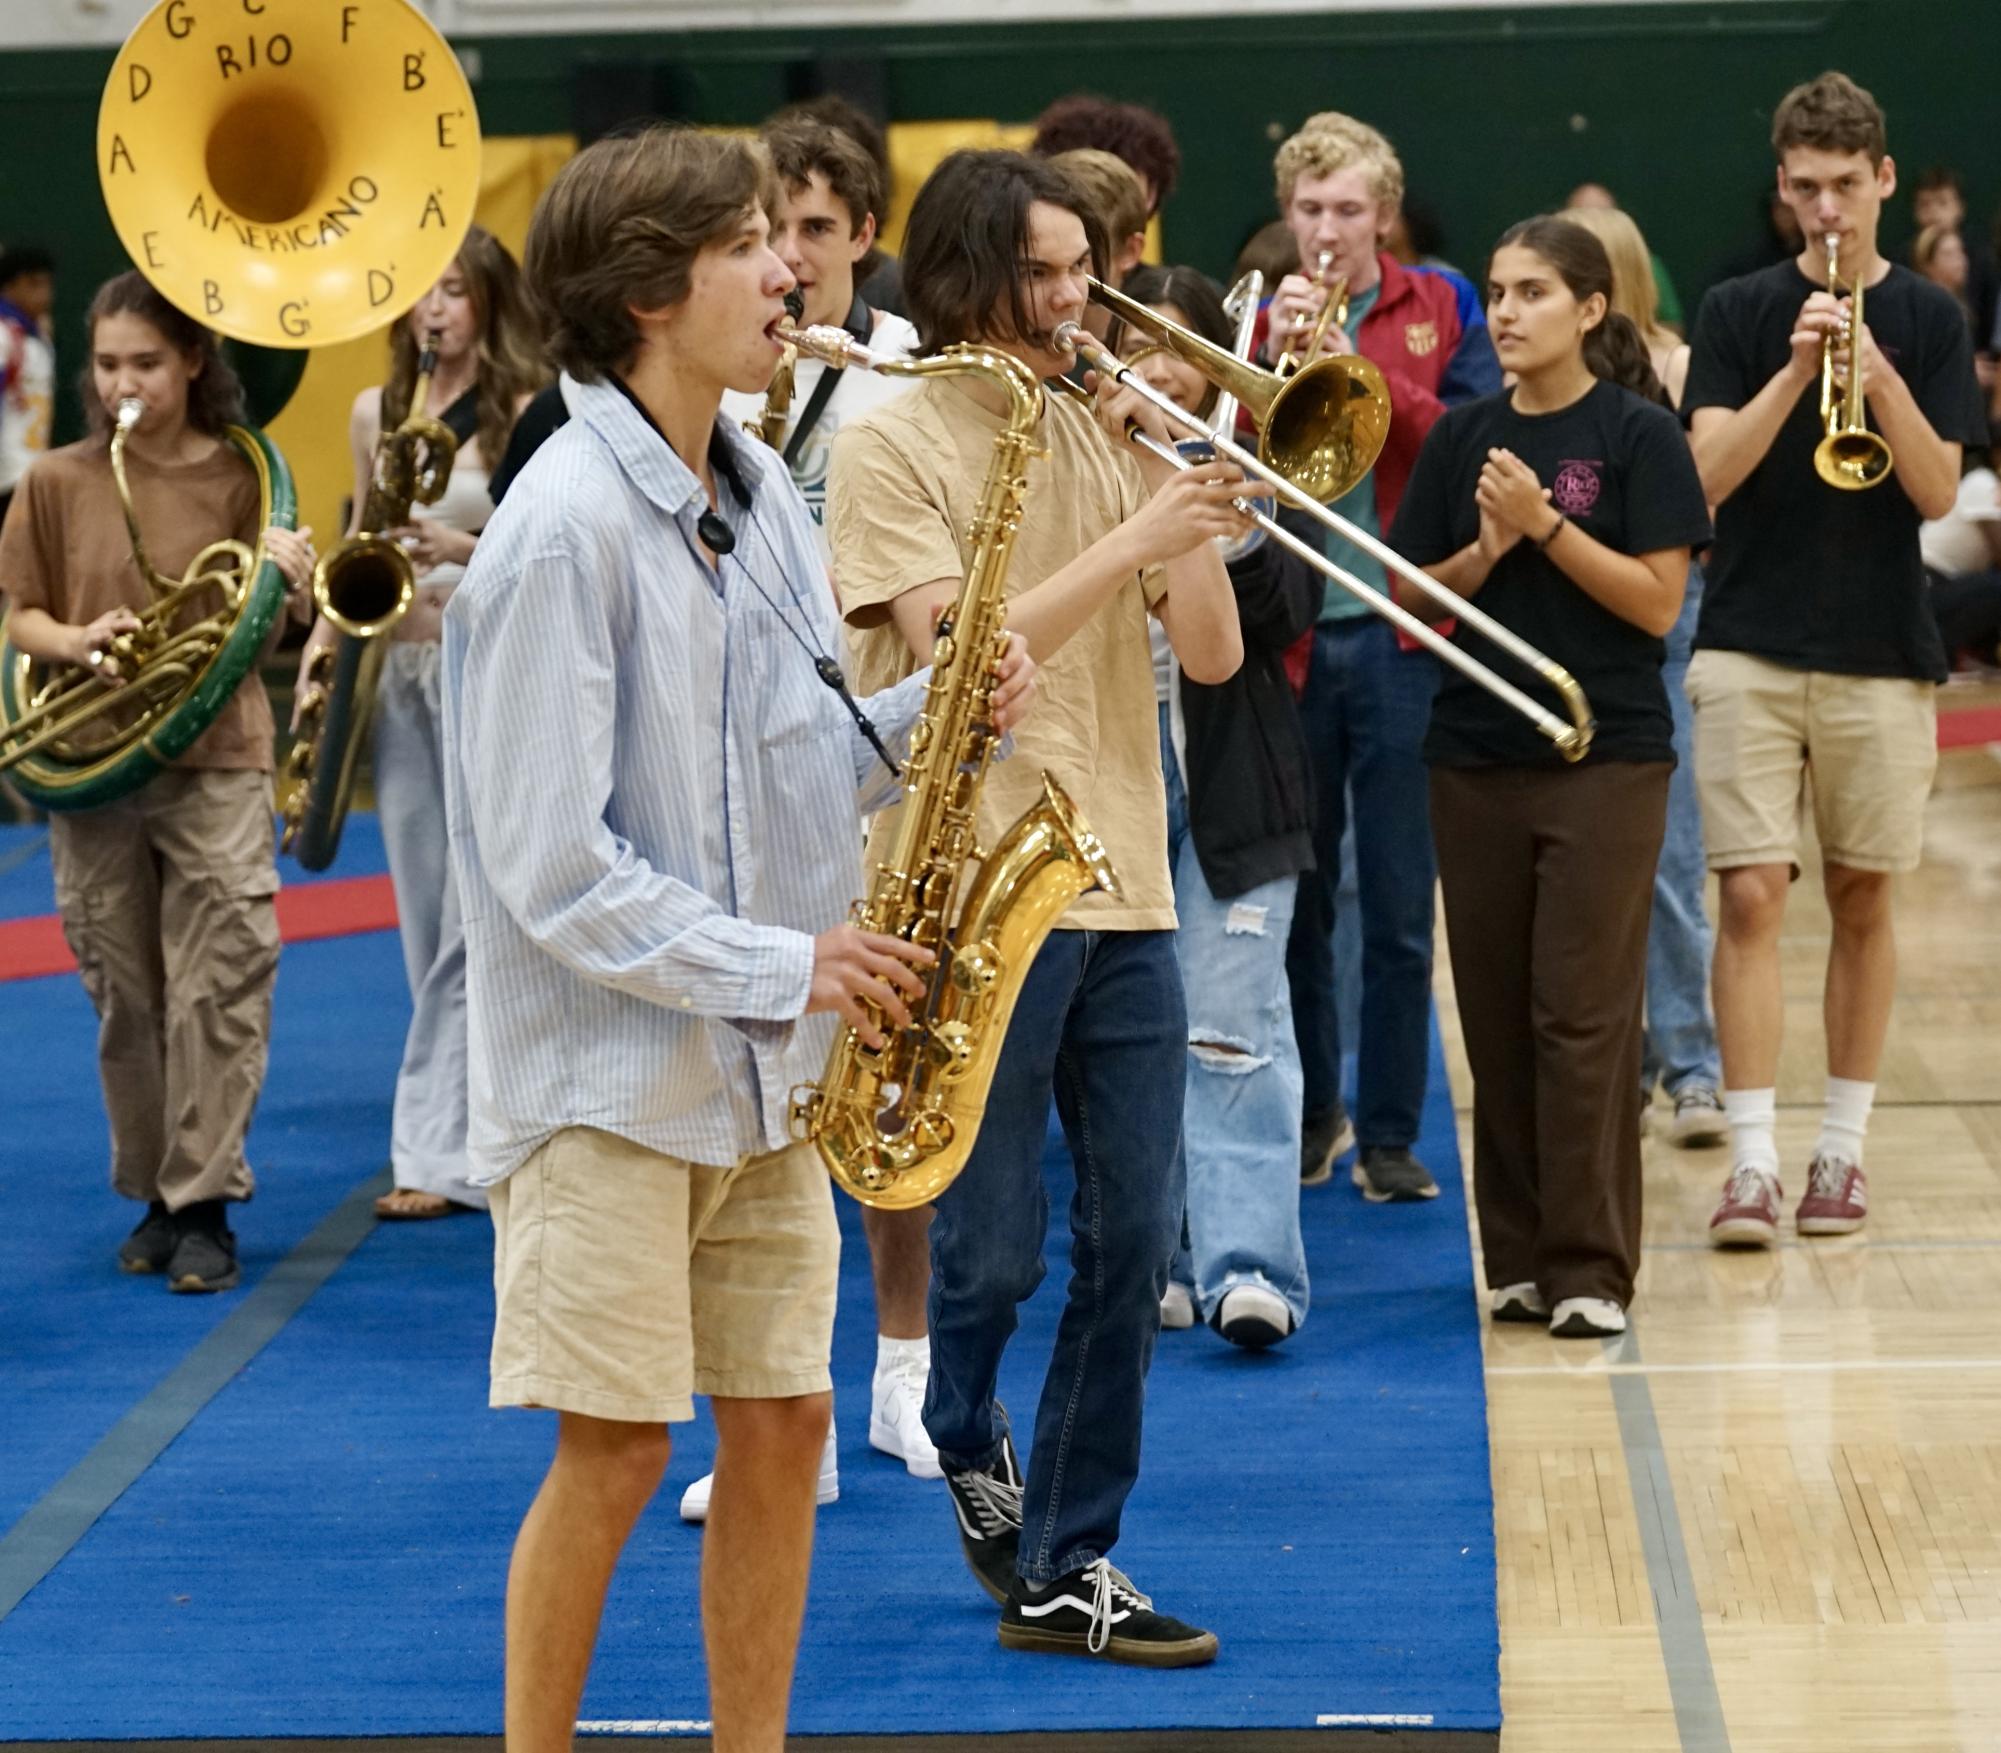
363,588
895,1126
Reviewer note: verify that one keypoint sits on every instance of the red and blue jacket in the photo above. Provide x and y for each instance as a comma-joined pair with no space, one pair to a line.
1427,335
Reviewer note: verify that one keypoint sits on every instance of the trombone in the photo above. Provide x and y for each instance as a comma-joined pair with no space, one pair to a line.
1850,457
1333,313
1572,740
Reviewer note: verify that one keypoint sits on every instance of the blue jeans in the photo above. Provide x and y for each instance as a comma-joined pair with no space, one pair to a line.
1366,709
1681,1037
1100,1020
1240,1122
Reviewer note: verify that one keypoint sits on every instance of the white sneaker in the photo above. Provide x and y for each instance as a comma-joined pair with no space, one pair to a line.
1177,1307
1518,1302
1587,1317
896,1414
695,1500
1699,1119
1253,1317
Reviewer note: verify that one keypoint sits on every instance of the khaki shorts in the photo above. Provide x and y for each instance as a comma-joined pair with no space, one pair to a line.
626,1282
1869,744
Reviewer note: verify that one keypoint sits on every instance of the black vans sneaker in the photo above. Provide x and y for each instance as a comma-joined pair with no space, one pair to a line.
1096,1611
987,1501
204,1256
151,1244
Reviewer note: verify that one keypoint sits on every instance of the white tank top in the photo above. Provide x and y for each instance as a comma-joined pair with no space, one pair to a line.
465,505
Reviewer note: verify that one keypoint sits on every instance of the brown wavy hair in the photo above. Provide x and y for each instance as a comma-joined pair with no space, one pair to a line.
215,397
511,366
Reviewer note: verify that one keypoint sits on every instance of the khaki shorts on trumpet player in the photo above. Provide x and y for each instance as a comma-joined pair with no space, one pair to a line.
626,1282
1865,747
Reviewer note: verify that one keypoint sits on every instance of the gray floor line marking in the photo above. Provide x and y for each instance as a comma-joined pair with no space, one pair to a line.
1698,1710
21,855
63,1514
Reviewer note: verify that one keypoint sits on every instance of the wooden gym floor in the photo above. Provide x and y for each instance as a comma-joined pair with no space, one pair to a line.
1770,1518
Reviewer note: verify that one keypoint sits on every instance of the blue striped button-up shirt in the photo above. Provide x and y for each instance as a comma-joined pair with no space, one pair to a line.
654,800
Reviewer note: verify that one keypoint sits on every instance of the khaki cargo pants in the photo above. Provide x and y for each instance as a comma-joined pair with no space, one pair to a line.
167,901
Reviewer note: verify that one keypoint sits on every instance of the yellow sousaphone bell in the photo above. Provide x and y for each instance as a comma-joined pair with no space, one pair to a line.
290,173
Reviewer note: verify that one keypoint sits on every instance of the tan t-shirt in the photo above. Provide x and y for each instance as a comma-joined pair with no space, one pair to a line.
65,549
906,480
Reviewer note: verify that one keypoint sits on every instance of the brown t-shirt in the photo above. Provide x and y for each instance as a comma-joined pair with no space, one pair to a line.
906,480
65,549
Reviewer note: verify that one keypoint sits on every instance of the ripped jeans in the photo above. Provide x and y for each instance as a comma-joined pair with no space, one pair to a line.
1241,1117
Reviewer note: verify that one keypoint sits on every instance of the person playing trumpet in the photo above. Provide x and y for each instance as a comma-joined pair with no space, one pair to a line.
166,895
1367,694
1816,653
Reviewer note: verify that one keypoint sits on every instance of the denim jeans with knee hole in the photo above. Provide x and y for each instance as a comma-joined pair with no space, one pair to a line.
1681,1048
1100,1022
1241,1122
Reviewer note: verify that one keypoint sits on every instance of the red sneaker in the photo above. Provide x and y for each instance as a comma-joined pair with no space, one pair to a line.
1837,1198
1747,1216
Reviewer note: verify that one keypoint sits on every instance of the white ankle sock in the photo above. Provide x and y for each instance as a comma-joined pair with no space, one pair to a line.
1845,1119
889,1351
1753,1116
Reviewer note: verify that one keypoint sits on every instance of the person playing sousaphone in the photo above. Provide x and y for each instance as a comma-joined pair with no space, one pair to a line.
166,894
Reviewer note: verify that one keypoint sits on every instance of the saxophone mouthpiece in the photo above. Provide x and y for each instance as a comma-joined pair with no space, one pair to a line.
130,412
427,358
795,305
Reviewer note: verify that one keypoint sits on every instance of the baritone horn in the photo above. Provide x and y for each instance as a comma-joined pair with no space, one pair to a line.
289,173
1572,740
1850,457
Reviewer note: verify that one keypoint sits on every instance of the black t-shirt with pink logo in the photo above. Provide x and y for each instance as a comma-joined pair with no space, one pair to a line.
1619,467
1804,574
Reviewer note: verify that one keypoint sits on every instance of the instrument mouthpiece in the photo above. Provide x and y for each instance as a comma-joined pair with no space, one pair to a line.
130,412
1065,336
795,305
828,343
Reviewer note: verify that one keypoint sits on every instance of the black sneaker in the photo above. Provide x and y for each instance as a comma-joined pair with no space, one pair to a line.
1097,1612
204,1256
1322,1138
151,1244
987,1501
1387,1172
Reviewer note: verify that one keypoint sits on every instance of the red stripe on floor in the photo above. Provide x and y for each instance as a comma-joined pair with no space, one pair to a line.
339,908
1969,727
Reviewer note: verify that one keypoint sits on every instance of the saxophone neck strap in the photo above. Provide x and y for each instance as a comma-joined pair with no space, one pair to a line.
860,324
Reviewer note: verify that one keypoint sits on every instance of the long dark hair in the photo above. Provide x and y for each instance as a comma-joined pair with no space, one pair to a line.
1192,293
1613,349
215,396
510,356
967,238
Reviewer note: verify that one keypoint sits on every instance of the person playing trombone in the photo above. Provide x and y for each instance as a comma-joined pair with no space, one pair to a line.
1366,692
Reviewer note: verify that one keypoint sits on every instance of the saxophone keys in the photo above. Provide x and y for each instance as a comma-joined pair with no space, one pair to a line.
977,969
943,651
951,1049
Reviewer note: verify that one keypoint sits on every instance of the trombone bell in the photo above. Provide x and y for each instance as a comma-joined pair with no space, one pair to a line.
1322,428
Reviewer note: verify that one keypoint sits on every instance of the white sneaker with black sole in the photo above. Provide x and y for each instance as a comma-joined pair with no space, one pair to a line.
695,1500
1518,1302
1587,1317
1096,1611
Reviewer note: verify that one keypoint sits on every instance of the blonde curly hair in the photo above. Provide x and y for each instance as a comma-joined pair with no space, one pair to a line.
1329,141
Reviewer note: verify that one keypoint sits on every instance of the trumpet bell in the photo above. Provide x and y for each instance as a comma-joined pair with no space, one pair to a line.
291,174
1852,459
1322,428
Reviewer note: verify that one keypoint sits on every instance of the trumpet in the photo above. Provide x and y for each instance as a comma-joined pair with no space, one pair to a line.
1572,741
1333,313
1850,457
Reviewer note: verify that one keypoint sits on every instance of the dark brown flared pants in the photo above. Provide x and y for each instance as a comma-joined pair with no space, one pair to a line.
1548,876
